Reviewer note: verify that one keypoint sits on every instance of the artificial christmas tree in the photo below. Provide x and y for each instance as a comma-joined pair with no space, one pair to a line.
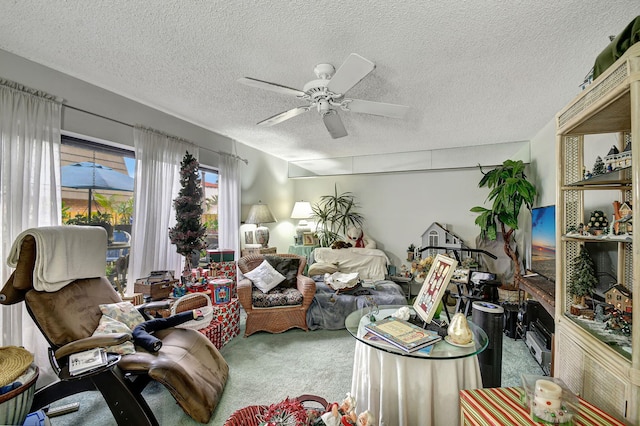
188,233
583,278
598,167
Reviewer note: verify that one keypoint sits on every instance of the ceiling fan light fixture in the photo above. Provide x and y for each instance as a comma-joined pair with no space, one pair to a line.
329,91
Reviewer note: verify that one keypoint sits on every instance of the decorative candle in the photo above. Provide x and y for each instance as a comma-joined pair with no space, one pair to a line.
548,389
543,403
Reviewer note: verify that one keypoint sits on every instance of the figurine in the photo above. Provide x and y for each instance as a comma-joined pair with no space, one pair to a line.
341,414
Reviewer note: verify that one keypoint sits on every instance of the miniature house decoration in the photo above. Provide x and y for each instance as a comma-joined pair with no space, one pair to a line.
618,160
438,235
620,297
623,215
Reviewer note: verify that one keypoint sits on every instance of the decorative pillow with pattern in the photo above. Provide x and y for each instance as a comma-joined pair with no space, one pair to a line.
124,312
287,266
108,325
265,277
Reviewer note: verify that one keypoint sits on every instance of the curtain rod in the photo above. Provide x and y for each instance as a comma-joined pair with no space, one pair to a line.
237,157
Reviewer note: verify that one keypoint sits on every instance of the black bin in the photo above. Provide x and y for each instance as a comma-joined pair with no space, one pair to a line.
490,318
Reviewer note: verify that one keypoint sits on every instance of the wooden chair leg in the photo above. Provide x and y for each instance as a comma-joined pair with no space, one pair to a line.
127,407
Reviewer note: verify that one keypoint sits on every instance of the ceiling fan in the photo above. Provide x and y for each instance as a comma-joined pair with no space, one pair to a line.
327,95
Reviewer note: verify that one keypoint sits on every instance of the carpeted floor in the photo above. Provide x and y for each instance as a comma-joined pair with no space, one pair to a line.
266,368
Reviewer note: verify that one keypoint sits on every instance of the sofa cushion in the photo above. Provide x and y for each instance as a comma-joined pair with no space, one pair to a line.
287,266
265,277
279,296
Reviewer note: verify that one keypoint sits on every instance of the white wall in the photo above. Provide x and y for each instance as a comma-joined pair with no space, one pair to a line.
398,207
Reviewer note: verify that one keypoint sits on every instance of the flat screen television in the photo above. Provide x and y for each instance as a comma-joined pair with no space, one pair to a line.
543,242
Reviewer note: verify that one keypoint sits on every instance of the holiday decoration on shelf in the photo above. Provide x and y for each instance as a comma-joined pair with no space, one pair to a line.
597,222
583,278
598,167
188,234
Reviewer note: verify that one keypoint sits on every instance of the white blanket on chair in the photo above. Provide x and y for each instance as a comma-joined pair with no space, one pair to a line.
63,254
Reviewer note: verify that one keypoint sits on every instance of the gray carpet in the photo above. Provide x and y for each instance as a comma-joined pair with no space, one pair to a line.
266,368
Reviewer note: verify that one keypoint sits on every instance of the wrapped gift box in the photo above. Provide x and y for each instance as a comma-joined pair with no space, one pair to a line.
228,314
221,290
223,255
225,270
213,332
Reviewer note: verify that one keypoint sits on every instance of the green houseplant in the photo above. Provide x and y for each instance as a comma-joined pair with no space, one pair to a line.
333,214
509,191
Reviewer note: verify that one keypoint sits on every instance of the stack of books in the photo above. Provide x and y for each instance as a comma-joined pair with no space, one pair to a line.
82,362
403,334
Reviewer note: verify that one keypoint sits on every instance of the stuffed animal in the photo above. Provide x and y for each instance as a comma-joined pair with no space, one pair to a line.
356,236
340,245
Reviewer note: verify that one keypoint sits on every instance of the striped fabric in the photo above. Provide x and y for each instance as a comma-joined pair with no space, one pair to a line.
504,407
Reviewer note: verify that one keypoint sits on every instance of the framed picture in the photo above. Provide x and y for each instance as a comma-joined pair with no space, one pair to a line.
434,286
248,237
308,239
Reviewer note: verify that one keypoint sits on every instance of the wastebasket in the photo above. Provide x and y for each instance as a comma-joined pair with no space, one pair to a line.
490,317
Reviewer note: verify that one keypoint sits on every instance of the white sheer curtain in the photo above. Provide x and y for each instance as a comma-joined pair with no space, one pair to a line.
29,194
157,183
229,203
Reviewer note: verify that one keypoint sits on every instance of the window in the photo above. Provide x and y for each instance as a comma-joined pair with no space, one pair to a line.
97,189
209,179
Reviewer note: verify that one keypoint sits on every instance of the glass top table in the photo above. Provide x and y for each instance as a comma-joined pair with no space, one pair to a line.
356,321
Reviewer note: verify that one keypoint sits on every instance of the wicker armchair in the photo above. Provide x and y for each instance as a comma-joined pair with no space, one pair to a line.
277,319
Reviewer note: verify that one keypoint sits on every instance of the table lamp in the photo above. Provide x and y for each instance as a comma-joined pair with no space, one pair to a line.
259,214
302,210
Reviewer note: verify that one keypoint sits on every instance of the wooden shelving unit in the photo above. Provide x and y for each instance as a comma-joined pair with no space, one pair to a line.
598,370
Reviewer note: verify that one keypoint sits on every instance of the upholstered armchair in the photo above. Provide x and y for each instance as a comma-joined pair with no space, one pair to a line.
188,364
280,308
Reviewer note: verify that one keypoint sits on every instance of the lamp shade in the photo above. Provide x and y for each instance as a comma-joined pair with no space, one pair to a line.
260,213
302,210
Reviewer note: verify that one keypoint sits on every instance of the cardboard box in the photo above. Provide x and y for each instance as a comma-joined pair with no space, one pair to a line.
155,291
223,255
228,314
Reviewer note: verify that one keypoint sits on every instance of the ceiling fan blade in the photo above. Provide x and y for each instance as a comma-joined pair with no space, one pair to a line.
270,86
376,108
279,118
334,124
354,69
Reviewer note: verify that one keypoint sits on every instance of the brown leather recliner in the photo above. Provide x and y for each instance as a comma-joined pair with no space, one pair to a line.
188,364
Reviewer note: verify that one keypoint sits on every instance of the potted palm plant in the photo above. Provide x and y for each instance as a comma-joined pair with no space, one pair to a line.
333,214
509,191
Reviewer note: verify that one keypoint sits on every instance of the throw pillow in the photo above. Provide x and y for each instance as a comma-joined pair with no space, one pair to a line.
124,312
321,268
265,277
287,266
108,325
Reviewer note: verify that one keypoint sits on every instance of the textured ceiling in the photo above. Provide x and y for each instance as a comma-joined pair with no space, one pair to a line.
473,72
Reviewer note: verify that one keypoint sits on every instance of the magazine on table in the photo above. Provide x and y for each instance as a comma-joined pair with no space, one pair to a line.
82,362
403,334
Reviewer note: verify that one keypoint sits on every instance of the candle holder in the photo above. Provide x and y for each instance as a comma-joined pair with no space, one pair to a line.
549,400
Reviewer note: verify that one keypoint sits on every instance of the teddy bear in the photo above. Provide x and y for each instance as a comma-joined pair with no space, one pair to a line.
356,236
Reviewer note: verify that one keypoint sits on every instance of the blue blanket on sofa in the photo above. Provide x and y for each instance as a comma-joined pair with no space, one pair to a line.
328,310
